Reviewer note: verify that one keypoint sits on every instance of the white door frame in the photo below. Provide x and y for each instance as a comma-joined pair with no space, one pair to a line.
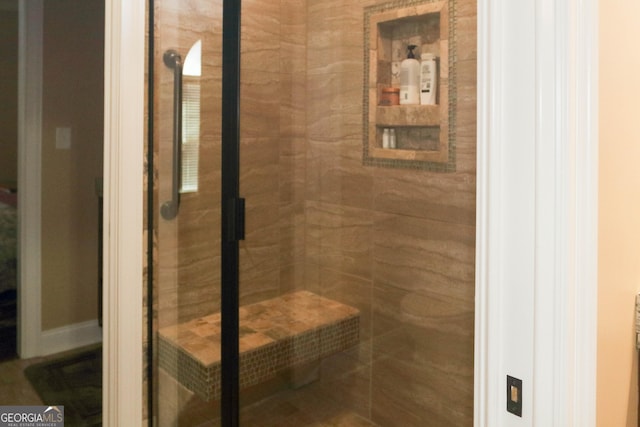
537,188
29,177
537,211
123,192
125,59
32,340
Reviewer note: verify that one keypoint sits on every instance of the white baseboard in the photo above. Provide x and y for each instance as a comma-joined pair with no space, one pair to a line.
70,337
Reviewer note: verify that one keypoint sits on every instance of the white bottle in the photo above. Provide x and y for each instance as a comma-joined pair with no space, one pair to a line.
410,79
428,79
386,138
392,138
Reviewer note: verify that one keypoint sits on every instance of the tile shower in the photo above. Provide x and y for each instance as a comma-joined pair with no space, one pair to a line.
395,243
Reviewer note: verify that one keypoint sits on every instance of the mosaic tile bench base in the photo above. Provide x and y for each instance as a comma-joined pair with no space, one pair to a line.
275,334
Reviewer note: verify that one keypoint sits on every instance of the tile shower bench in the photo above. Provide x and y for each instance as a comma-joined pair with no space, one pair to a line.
275,335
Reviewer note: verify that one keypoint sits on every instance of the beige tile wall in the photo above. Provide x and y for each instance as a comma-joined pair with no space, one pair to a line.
398,244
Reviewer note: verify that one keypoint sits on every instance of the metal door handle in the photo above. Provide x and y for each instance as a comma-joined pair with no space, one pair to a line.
173,60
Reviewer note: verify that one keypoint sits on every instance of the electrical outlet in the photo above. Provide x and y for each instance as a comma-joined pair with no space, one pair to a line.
514,396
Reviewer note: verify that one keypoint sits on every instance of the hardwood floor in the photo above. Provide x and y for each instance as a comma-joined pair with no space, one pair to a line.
15,389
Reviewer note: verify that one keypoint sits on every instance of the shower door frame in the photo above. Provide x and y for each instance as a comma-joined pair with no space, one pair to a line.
124,146
231,216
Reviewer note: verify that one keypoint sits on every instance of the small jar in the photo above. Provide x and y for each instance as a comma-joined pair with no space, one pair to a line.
390,96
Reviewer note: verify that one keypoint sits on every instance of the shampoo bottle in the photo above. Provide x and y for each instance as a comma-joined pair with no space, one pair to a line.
410,79
428,79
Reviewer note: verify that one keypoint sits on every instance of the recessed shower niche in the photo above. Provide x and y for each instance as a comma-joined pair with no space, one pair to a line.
423,134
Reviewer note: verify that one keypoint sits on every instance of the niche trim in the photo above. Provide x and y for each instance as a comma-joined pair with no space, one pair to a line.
427,139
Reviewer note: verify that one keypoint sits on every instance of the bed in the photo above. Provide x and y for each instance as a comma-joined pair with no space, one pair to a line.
8,239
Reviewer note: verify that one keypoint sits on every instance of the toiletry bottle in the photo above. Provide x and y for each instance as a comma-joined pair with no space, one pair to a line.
385,138
428,79
410,79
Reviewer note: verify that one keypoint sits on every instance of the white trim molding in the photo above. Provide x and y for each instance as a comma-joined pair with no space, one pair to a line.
123,212
582,128
70,337
29,177
537,211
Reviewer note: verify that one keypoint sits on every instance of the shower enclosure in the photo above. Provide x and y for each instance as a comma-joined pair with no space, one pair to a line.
301,272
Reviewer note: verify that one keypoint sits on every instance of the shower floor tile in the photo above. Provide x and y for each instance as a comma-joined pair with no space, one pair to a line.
307,407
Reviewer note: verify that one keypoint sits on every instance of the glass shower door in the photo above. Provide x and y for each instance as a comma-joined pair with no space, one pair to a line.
184,334
305,264
357,268
343,266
